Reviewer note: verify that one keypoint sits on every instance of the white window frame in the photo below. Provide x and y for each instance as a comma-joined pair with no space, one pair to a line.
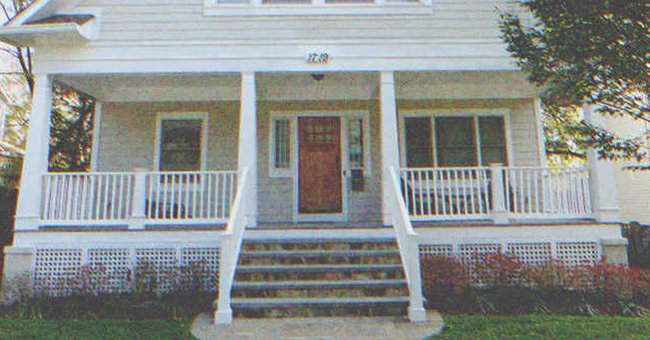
292,117
202,116
460,113
318,7
288,171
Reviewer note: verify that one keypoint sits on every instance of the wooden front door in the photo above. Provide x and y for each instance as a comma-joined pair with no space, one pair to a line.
320,165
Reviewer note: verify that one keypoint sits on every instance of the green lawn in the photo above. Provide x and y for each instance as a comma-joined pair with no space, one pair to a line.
544,327
88,329
457,327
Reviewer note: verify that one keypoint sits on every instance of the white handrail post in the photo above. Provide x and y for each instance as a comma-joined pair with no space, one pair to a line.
138,213
389,140
35,164
602,186
499,211
417,313
223,314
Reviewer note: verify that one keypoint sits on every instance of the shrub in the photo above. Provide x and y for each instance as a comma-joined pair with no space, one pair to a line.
96,293
502,284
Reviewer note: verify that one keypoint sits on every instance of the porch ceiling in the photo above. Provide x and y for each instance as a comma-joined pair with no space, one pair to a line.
300,86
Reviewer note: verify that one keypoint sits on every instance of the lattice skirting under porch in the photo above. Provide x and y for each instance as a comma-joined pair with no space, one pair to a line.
59,271
533,253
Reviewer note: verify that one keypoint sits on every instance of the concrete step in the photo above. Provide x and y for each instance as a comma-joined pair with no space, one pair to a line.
318,253
319,268
267,285
256,303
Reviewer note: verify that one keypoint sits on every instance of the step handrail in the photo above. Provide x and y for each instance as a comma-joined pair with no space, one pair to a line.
231,248
407,241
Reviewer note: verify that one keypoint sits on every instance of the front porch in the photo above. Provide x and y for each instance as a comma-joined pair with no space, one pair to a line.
171,154
373,152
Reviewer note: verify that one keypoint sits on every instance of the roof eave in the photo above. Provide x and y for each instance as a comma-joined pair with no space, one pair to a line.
46,34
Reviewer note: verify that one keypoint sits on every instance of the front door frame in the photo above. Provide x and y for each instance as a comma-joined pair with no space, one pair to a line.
343,115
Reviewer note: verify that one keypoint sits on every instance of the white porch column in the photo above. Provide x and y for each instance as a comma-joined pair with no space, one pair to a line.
389,139
35,164
602,183
248,138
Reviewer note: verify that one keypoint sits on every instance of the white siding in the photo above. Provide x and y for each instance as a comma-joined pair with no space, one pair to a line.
456,35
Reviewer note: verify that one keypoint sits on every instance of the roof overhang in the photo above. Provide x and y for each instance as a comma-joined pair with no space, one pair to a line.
47,34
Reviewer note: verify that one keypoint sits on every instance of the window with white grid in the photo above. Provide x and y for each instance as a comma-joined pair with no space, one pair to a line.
577,253
56,270
531,253
201,262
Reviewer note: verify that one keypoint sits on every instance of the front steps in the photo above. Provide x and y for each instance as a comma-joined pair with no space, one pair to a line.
314,278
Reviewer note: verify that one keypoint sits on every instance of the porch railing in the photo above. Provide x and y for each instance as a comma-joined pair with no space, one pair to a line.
483,192
407,241
157,197
234,236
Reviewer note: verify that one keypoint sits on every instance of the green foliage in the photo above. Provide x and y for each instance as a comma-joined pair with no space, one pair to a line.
71,130
593,52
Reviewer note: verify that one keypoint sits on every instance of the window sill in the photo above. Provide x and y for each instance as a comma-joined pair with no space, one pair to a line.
316,10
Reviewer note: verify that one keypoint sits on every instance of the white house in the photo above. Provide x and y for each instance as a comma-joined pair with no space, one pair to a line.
230,122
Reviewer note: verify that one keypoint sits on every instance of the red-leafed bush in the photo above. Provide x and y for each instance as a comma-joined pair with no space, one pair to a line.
503,284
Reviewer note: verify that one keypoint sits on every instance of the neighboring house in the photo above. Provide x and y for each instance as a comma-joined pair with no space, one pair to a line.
270,122
633,186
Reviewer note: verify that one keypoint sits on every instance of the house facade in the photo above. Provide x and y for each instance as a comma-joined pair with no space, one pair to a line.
223,122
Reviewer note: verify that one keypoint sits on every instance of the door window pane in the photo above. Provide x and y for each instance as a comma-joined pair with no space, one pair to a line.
455,141
282,144
493,140
180,145
355,127
419,152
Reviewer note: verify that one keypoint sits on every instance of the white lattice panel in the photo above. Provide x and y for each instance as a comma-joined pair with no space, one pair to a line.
470,253
163,262
203,261
577,253
56,270
118,268
531,253
436,250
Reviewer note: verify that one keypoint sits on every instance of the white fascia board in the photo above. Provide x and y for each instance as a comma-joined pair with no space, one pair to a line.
40,9
60,33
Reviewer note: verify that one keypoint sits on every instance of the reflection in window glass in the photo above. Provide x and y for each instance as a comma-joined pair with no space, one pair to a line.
180,145
282,144
355,136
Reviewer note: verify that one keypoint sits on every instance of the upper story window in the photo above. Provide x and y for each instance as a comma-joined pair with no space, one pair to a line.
316,7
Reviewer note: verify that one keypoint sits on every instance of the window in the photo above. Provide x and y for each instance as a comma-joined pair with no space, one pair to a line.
180,144
316,7
281,147
455,141
355,143
418,142
459,141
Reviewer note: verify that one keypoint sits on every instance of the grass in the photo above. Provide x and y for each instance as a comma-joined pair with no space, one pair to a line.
457,327
94,329
544,327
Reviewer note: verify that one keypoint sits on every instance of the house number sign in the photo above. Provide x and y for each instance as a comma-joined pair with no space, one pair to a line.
318,58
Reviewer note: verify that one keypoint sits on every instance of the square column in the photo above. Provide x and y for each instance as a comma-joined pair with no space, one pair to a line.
35,164
602,185
389,139
248,138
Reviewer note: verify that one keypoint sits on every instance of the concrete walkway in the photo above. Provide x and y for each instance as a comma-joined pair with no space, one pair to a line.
319,328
